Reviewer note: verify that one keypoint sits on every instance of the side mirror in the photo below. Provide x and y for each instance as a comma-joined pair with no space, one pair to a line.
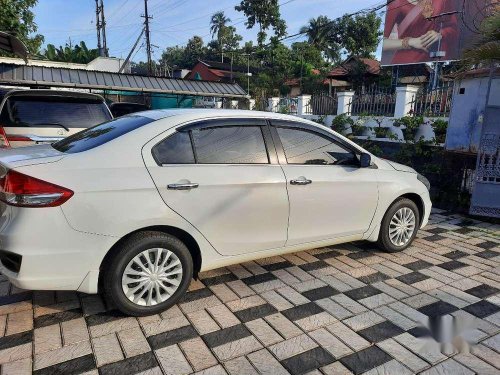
365,160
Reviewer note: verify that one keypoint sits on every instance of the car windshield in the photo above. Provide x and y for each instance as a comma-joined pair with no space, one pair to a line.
100,134
66,112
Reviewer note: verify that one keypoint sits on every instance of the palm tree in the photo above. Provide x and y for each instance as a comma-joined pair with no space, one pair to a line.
319,32
487,47
218,26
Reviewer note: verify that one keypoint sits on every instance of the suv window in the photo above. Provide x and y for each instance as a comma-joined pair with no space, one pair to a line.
33,111
230,145
307,147
176,149
100,134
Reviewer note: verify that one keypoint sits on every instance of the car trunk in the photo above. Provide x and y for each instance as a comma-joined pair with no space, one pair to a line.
20,157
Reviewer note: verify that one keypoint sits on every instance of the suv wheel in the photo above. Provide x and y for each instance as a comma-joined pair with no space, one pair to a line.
399,226
149,274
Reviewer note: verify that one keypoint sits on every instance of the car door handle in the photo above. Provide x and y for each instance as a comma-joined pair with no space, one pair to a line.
301,181
185,186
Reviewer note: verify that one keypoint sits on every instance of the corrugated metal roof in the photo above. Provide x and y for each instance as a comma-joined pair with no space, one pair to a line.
12,74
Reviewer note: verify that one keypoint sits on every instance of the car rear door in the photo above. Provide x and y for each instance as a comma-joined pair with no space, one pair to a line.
223,177
330,195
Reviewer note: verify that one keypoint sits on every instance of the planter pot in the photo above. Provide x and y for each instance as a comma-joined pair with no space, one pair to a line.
440,137
357,130
381,132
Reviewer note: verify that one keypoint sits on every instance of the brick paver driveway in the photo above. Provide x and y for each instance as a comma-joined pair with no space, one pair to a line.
340,310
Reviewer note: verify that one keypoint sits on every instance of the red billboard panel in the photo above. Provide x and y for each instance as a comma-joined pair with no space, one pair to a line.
418,31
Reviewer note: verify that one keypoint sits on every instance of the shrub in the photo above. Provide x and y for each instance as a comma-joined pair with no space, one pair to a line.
341,122
440,127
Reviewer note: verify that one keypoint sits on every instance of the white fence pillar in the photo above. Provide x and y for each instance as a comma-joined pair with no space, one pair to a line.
405,97
272,104
303,104
234,104
344,101
251,104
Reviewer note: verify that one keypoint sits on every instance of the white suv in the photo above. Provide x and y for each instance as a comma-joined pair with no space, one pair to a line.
40,116
137,206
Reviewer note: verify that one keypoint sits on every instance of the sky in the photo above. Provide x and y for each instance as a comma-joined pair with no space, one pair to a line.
173,23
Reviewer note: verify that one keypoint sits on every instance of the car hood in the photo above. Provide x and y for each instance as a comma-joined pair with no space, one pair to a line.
400,167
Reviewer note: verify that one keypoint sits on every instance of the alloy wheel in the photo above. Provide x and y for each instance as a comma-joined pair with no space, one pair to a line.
402,226
152,277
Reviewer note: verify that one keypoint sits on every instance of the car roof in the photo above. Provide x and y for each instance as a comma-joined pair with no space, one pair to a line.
205,113
44,92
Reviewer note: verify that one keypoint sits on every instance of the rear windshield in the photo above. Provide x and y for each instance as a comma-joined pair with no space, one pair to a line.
100,134
46,111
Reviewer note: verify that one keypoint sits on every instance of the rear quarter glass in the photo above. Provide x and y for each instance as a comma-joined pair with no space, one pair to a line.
100,134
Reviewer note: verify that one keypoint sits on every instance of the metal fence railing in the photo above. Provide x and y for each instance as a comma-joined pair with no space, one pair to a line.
433,102
374,101
322,104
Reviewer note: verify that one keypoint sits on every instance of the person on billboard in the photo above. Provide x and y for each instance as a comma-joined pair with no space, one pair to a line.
416,29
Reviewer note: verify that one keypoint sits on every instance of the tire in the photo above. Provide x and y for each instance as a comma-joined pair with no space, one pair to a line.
393,245
147,301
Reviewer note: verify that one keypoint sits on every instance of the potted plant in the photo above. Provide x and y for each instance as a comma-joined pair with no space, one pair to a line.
380,132
440,126
341,122
409,125
358,127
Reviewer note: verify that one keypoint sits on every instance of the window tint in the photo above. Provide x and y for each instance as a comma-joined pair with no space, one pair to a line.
32,111
304,147
100,134
176,149
230,145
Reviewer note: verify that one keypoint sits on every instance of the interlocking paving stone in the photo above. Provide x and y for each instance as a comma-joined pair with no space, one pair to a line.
412,278
482,309
226,335
73,366
320,306
302,311
380,332
437,309
363,292
449,366
169,338
482,291
255,312
365,360
308,361
319,293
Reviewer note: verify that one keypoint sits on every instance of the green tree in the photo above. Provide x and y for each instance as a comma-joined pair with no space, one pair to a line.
218,28
78,54
359,35
319,34
17,19
487,47
265,13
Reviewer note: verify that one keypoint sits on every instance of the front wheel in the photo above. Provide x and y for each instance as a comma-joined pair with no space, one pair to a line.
399,226
149,274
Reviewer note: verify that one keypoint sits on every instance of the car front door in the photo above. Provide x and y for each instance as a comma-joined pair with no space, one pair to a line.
224,178
330,195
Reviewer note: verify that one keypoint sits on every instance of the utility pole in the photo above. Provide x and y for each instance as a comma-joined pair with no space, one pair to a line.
148,41
100,25
103,27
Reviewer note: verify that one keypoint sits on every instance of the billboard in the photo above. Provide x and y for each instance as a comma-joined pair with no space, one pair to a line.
419,31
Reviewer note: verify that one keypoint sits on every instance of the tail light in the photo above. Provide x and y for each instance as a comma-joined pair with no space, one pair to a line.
18,189
4,141
17,138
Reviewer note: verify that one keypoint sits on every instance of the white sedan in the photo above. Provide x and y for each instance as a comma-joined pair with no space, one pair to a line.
138,206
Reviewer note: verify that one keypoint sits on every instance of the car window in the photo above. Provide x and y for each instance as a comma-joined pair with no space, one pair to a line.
306,147
100,134
33,111
230,145
176,149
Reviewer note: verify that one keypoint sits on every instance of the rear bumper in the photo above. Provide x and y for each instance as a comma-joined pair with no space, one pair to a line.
53,255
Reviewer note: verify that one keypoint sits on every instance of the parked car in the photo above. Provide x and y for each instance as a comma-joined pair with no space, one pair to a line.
124,108
138,206
39,116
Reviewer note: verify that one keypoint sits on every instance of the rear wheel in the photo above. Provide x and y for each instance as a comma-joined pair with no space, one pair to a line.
149,274
399,226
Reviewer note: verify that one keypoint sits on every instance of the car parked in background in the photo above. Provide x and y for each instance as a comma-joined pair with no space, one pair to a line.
137,206
40,116
119,109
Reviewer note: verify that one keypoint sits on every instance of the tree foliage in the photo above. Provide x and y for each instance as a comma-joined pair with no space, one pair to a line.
78,54
486,50
17,19
266,14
